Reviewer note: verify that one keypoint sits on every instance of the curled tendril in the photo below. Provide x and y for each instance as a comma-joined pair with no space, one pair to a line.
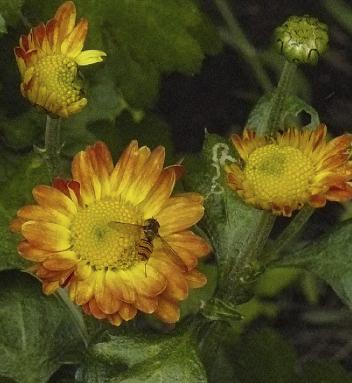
302,39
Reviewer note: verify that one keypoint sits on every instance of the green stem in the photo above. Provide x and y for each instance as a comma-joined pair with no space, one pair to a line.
74,314
241,270
288,234
280,97
237,39
53,146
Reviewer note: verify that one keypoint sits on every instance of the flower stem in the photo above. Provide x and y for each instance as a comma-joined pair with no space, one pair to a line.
52,146
288,234
280,96
235,37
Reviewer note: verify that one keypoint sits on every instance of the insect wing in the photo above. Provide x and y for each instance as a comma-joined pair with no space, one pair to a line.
125,227
172,253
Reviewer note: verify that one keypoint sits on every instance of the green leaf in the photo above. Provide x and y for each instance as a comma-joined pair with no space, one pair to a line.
264,357
259,116
18,175
23,130
329,258
10,12
135,357
36,336
237,231
144,39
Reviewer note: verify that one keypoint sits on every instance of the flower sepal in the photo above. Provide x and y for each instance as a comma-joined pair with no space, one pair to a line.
218,310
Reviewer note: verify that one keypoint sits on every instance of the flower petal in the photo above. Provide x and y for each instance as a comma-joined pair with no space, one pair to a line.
27,251
147,280
47,236
123,172
85,289
195,279
39,213
104,296
50,197
147,176
66,19
127,311
179,213
61,261
145,304
73,43
121,284
167,311
115,319
89,57
159,194
177,287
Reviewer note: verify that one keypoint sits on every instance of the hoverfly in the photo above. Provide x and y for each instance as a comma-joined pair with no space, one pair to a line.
150,229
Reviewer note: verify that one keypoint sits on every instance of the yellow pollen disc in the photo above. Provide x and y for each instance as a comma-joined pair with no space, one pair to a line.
59,75
94,241
279,174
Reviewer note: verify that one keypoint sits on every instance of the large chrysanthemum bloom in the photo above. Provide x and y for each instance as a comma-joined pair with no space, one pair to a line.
48,59
296,167
69,236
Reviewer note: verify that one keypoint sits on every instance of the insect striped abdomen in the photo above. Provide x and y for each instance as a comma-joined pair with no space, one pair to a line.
145,248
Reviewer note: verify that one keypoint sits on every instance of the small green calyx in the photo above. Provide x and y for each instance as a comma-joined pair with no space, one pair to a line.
302,39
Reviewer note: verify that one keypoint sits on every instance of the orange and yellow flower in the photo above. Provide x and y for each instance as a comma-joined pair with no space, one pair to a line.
48,59
296,167
68,235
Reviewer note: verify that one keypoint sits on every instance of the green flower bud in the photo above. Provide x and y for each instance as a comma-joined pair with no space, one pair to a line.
302,39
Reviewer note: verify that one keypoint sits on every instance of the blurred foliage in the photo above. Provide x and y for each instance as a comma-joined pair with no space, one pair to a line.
342,11
264,356
10,13
147,42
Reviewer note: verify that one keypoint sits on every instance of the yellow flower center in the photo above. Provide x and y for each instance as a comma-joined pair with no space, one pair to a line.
99,244
279,173
59,75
